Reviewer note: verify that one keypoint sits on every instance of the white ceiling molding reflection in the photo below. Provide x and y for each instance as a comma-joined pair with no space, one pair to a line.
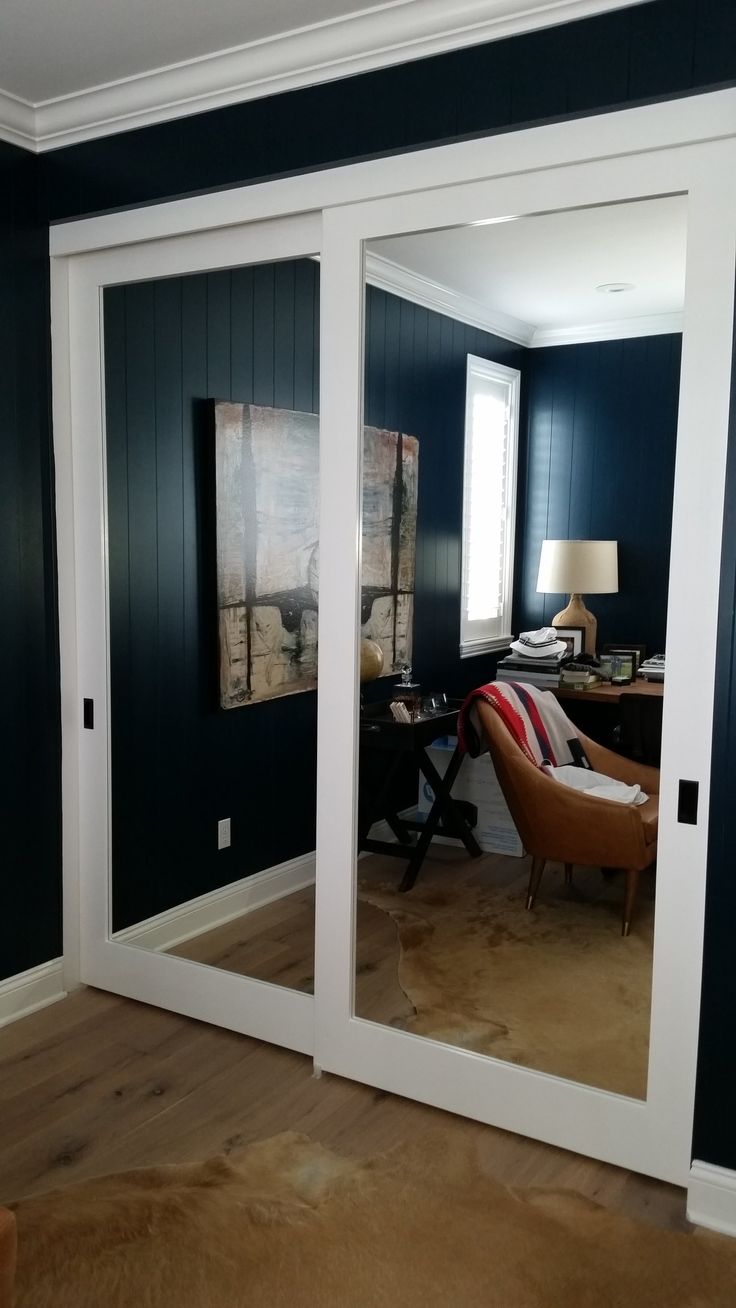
375,37
656,324
392,277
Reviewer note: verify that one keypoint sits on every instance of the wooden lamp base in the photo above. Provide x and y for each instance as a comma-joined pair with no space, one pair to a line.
576,615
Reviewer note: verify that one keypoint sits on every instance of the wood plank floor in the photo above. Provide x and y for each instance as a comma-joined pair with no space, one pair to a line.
97,1083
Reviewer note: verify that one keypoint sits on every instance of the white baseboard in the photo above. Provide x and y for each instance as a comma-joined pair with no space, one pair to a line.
178,924
711,1197
28,991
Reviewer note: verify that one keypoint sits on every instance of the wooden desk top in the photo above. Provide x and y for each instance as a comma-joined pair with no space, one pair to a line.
609,694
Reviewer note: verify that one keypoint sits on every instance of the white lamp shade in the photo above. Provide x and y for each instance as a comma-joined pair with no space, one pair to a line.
578,567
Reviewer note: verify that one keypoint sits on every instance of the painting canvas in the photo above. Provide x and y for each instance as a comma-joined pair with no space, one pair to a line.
267,498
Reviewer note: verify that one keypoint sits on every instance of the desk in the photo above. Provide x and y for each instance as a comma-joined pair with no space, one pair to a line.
610,694
380,731
625,718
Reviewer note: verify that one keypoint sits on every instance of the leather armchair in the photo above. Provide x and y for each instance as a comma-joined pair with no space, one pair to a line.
562,825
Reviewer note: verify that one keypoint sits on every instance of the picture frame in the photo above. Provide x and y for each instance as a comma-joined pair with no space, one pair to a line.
638,653
574,638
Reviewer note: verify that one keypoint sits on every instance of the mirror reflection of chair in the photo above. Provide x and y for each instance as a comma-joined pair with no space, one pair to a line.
562,825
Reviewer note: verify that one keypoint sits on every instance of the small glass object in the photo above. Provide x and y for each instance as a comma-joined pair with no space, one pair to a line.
605,669
622,669
407,691
435,702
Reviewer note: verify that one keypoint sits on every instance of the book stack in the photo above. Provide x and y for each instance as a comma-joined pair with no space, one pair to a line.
579,678
543,672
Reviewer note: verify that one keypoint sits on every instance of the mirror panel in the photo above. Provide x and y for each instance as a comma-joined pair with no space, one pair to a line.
212,447
565,344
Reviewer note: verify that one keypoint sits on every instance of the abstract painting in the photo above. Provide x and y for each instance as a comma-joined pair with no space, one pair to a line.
267,505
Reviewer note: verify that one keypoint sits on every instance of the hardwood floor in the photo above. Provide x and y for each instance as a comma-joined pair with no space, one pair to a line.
98,1083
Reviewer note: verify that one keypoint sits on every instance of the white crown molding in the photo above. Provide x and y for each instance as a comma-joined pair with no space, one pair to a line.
355,43
711,1197
17,121
397,280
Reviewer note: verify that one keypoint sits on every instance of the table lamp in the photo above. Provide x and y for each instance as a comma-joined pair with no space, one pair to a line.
578,566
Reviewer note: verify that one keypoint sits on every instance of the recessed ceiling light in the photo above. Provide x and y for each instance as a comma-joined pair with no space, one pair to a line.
615,288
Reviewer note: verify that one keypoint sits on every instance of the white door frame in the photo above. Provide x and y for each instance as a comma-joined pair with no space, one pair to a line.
684,145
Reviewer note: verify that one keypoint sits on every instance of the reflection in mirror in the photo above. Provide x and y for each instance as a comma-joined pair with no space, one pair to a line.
506,886
213,486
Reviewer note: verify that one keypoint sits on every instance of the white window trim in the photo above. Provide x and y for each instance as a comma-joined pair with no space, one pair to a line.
484,642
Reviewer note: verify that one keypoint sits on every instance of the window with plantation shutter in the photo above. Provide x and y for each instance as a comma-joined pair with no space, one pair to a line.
489,496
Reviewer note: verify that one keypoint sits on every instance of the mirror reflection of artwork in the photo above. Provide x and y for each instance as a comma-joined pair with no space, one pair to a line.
390,482
267,505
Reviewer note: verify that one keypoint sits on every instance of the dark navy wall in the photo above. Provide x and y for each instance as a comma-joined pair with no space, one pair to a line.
714,1136
649,52
178,762
30,919
600,464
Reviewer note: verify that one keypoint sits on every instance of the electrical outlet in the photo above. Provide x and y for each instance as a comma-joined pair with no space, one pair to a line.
223,833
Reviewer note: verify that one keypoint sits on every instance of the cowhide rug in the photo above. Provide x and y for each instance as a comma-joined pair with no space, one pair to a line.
557,989
290,1224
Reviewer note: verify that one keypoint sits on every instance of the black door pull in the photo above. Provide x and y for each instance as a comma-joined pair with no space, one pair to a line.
687,803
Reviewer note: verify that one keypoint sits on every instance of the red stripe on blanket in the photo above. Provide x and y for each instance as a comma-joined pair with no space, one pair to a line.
494,696
545,743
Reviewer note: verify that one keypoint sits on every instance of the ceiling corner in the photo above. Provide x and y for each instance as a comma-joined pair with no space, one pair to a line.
17,122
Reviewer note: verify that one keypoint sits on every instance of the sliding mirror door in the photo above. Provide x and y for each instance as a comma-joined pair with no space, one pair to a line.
210,462
522,426
525,371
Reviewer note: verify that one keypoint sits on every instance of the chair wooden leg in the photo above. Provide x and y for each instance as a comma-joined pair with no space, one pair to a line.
535,876
632,883
568,874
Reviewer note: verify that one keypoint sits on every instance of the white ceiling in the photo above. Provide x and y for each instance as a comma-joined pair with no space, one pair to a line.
535,278
88,42
72,69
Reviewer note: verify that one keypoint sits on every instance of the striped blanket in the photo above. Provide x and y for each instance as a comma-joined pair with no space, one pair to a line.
534,718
